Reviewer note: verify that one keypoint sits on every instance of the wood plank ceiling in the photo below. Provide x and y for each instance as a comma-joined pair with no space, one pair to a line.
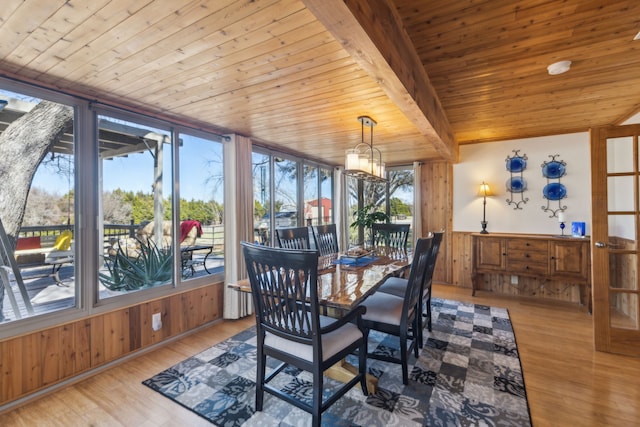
296,74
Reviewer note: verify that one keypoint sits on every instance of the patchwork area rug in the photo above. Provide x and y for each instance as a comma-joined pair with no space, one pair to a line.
467,374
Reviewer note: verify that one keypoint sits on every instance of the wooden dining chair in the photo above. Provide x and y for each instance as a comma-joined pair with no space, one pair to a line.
291,329
399,316
293,238
397,285
392,235
326,239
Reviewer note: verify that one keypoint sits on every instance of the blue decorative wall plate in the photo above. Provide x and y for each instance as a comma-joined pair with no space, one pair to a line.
516,184
554,191
516,164
553,169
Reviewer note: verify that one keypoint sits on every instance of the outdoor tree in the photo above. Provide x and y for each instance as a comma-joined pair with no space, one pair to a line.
375,193
23,146
42,208
115,209
398,207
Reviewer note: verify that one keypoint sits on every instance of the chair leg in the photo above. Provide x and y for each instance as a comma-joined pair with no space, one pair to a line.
362,366
420,325
261,368
317,398
428,304
417,338
404,358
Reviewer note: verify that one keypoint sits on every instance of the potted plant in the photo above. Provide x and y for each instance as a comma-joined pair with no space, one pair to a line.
365,217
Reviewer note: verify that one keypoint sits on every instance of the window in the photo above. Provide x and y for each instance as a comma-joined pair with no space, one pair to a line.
201,206
137,214
326,196
119,172
394,197
318,195
43,280
301,192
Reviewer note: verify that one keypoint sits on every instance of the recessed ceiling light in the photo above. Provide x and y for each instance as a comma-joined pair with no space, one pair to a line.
559,67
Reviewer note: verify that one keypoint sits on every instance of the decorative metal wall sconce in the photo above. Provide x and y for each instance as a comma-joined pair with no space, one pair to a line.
516,183
554,191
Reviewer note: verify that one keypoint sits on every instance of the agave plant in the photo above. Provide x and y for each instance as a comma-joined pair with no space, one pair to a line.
150,266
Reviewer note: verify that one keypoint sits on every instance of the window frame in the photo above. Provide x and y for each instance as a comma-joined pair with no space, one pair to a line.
301,165
88,213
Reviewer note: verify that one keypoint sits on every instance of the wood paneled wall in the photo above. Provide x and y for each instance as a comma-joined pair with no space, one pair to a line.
436,193
34,361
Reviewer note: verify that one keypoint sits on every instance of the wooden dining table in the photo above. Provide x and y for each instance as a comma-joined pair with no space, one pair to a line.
345,281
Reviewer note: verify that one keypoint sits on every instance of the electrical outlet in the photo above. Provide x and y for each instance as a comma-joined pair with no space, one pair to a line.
514,280
156,321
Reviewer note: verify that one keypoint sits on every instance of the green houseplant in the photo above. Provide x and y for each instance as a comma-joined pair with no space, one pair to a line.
365,217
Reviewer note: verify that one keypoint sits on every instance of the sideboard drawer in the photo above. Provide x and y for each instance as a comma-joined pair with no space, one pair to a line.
527,245
527,266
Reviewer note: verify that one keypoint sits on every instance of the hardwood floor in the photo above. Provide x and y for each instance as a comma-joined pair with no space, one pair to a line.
567,382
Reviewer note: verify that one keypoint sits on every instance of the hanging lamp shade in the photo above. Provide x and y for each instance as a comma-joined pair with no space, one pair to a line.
364,161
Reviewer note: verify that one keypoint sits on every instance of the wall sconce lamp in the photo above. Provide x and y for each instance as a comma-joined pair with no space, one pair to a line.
484,192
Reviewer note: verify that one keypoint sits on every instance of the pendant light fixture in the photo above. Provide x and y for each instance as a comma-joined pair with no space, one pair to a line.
364,161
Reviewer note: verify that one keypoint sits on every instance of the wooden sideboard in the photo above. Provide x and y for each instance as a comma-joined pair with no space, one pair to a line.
550,257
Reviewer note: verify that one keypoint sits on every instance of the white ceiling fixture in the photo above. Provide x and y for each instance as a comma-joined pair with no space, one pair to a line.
637,37
559,67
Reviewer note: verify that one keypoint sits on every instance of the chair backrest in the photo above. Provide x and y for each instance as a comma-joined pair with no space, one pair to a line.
326,239
392,235
293,238
431,264
285,291
419,265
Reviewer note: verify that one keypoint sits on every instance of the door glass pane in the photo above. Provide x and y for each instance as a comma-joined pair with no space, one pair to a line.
620,154
261,197
620,192
622,271
622,231
201,207
137,188
624,310
38,211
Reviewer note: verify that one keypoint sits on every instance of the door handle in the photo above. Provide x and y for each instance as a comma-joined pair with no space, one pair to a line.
609,245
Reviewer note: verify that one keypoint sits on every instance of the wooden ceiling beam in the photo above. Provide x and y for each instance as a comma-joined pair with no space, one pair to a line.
372,33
